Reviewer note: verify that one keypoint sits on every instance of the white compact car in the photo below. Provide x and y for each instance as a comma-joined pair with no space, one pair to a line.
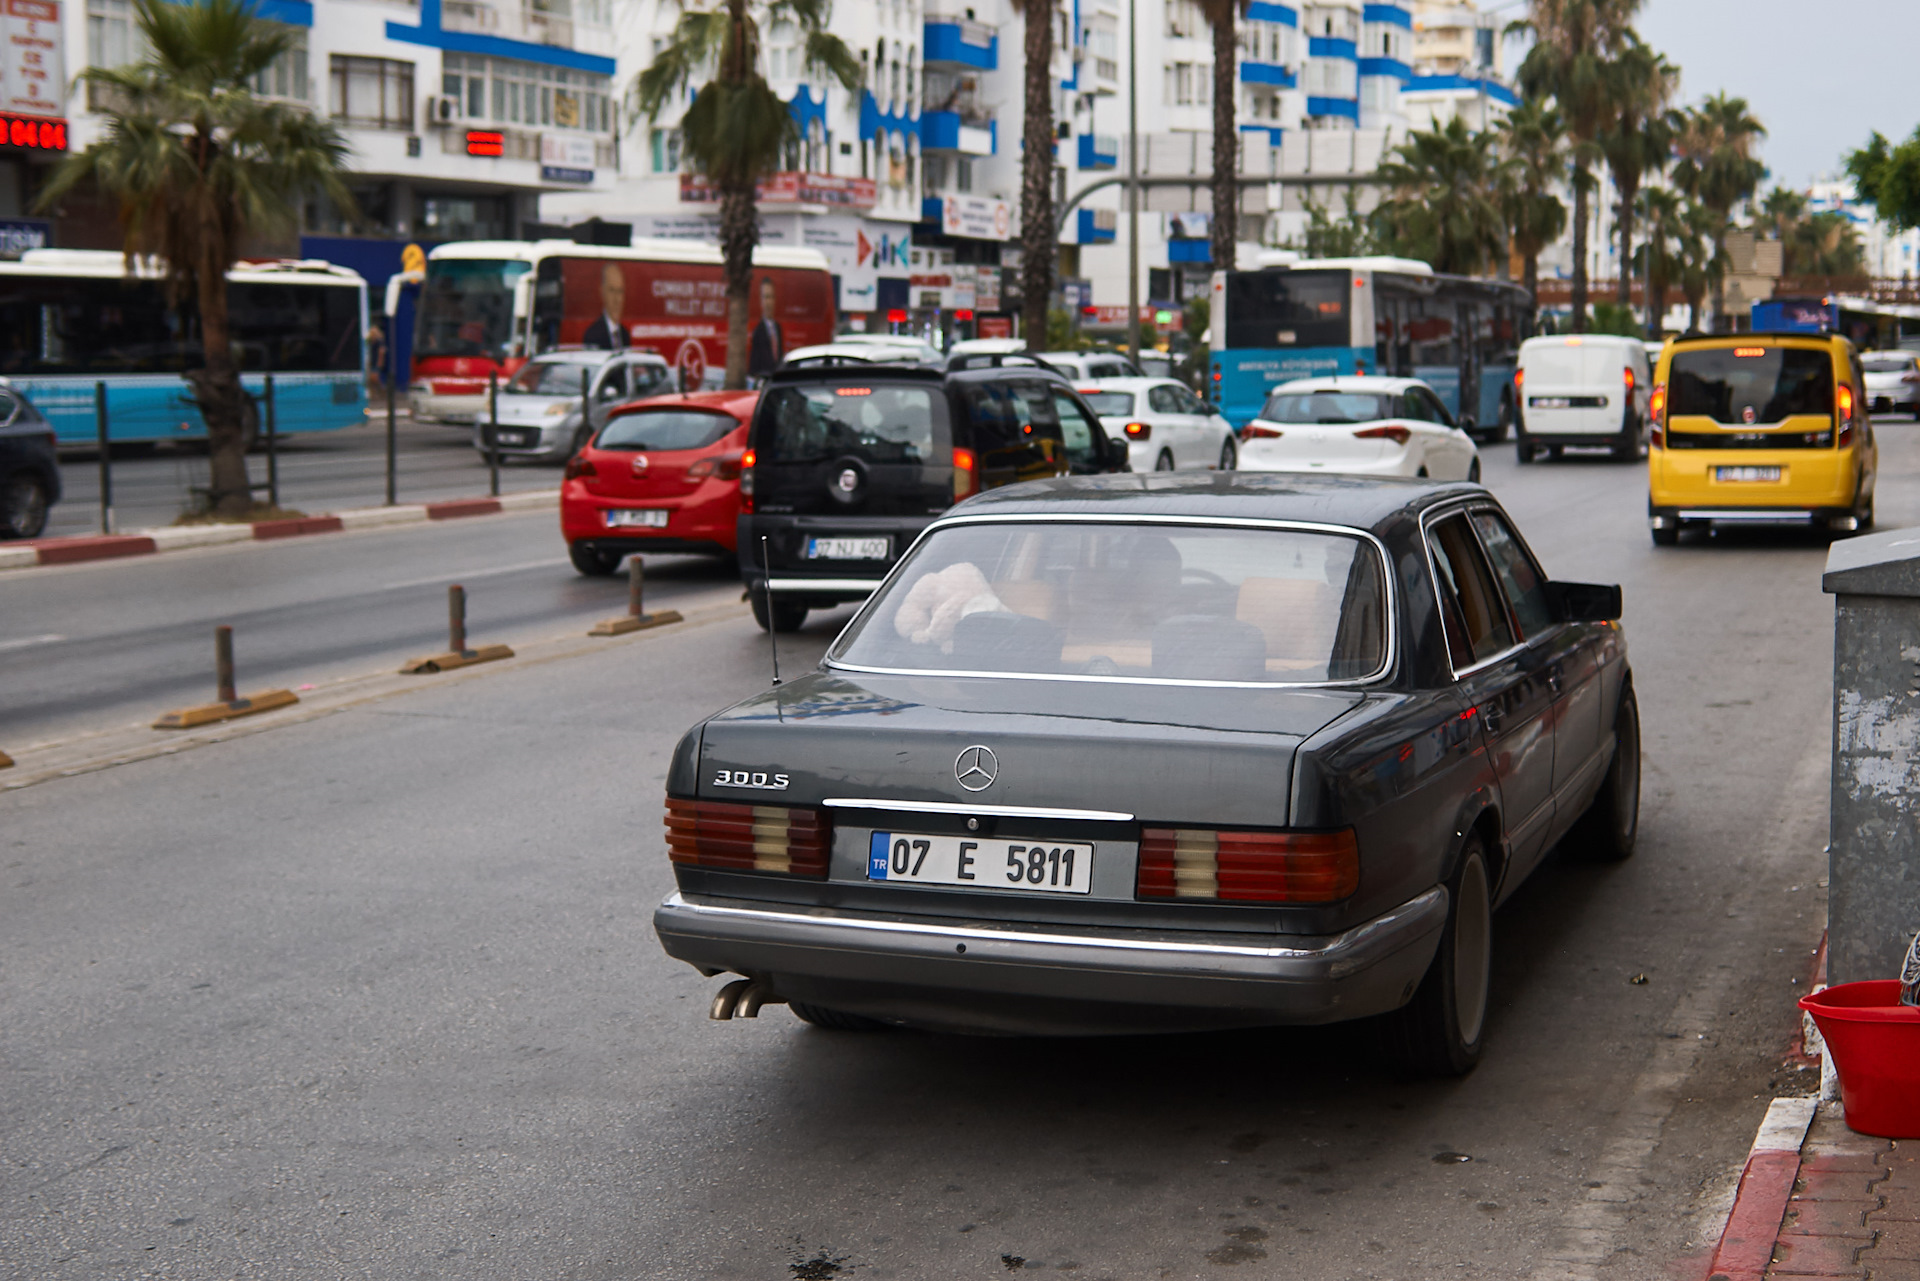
1893,381
1359,424
539,407
1091,365
1167,427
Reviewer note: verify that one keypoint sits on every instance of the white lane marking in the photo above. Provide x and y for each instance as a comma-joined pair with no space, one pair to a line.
476,573
1588,1238
28,642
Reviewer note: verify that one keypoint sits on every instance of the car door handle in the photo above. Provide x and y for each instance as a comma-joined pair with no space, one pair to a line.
1490,717
1554,681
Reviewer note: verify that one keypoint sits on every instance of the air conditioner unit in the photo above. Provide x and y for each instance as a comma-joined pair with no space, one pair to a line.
442,110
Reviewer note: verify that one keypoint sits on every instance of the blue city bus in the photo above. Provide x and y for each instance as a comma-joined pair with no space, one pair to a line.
1330,316
72,319
1870,325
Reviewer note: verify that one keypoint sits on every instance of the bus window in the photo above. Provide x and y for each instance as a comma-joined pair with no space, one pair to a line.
466,307
1268,309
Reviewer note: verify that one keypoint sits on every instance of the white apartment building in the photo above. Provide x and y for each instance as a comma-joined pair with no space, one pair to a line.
1890,254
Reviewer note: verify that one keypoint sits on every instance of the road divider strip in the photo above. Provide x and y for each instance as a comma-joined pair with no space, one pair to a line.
146,542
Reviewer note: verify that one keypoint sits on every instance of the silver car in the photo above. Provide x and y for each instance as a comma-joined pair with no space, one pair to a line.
1893,382
539,415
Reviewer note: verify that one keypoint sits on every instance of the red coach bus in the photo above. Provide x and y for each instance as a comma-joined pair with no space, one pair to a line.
488,305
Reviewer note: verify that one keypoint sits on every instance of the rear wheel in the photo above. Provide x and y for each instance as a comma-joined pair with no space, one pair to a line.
1229,455
1667,536
23,506
1164,462
834,1020
1523,451
591,561
1608,829
1632,444
777,615
1473,471
1440,1031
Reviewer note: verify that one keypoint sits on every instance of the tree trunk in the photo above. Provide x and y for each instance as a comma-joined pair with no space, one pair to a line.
1530,276
216,386
1624,293
739,233
1039,245
1225,231
1656,302
1722,323
1579,249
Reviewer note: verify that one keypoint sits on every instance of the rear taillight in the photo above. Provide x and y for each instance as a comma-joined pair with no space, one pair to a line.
1139,431
1248,867
966,474
757,838
1626,377
1398,435
1657,410
746,480
1519,378
1843,412
715,467
1260,431
579,467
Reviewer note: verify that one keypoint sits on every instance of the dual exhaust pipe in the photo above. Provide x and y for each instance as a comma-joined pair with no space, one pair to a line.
743,998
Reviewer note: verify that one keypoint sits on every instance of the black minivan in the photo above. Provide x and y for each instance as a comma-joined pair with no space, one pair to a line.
29,468
845,466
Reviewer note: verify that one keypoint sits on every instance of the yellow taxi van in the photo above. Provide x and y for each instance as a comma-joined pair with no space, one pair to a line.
1759,427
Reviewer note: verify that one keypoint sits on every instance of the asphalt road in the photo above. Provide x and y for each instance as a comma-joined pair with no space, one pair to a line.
319,472
376,996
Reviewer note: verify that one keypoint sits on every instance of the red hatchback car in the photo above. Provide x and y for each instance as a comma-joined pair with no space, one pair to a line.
662,476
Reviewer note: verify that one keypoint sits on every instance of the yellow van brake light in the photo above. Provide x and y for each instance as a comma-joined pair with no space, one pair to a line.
1657,410
1748,352
1843,410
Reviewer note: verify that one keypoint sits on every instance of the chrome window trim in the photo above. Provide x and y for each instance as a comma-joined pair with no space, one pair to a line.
1391,649
955,807
1462,507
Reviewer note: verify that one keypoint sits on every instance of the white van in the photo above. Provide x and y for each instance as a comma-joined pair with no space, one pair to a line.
1581,389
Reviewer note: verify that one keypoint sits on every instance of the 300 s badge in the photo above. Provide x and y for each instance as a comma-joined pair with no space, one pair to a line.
751,778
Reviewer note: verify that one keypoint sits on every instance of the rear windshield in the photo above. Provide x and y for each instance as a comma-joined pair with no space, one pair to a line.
1262,606
666,429
875,423
1889,364
1110,403
1750,384
1326,407
1009,414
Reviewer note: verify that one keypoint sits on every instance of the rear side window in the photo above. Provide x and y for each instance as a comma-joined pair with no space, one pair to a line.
666,429
1474,616
1007,414
1109,404
875,423
1739,385
1525,589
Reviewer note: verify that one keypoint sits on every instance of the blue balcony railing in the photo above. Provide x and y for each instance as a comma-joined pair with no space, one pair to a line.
1099,151
961,42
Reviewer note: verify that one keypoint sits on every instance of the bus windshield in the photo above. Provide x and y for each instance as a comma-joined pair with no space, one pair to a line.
466,308
1288,309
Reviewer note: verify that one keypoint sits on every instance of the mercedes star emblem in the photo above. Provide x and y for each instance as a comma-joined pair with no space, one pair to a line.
976,768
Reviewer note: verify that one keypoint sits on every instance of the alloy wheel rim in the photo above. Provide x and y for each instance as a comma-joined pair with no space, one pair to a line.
1472,953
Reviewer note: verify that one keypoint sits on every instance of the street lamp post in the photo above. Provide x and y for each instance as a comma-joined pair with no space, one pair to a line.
1133,184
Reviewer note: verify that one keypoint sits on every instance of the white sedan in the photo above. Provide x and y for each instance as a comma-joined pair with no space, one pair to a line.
1167,427
1365,425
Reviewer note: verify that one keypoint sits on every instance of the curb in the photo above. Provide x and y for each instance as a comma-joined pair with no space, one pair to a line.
1745,1250
73,551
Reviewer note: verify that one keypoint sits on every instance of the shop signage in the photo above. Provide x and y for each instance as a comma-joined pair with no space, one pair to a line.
566,158
791,188
976,218
33,73
17,235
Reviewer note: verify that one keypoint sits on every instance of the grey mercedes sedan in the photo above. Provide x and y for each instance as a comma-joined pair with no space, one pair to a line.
1159,752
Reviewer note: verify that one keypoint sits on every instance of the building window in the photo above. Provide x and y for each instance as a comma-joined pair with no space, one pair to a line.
509,92
666,151
113,38
286,76
375,92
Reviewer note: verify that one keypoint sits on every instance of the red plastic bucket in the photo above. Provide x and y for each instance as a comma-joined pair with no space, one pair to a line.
1875,1044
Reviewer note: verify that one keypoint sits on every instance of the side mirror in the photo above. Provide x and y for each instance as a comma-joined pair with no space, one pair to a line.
1585,602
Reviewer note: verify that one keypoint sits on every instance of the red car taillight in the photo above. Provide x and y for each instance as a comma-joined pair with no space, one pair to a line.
1843,411
757,838
579,467
1657,410
1398,435
1248,867
1255,431
716,467
966,474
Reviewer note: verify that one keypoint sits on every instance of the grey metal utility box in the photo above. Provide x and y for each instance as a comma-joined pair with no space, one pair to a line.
1874,866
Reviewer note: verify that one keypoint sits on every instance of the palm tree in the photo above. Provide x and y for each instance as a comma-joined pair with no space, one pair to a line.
1783,207
1224,230
1660,256
1718,169
1639,139
1441,203
1039,243
736,127
195,162
1703,264
1533,139
1574,41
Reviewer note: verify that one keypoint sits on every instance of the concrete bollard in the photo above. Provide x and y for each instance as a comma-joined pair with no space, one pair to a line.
1873,904
458,654
636,618
228,704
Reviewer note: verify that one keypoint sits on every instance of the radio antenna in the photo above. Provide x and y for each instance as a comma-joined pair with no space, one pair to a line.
766,586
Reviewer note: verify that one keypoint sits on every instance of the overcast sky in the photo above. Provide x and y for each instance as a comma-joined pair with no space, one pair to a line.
1820,74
